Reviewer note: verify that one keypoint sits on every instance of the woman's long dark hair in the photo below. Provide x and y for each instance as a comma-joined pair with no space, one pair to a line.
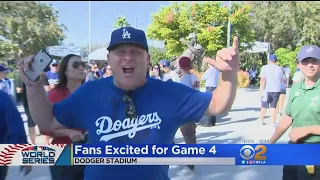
63,80
159,70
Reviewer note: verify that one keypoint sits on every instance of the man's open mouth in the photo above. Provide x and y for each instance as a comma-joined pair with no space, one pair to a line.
128,70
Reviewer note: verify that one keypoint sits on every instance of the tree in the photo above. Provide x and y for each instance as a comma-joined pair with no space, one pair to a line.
287,57
286,24
208,19
121,22
28,26
6,49
156,55
249,60
306,17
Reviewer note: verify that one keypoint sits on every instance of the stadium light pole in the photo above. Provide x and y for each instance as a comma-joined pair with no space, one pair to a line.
136,20
229,23
89,22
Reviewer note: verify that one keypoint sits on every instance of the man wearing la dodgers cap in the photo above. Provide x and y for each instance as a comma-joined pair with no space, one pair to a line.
302,112
270,87
116,103
168,74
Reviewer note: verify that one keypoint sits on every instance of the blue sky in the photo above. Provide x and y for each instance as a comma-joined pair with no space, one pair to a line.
75,15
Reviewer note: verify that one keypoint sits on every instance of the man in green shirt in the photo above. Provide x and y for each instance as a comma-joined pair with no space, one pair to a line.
303,112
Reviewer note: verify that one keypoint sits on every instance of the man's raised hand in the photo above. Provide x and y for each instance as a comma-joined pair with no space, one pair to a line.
227,59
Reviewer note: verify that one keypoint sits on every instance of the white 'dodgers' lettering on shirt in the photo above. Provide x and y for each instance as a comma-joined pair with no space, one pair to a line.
128,126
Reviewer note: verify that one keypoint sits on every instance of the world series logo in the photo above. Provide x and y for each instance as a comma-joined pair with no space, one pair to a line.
28,154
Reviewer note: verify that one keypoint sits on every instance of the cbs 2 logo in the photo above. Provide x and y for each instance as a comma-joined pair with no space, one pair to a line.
247,152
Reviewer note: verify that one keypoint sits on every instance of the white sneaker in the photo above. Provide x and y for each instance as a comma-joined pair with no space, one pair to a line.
186,172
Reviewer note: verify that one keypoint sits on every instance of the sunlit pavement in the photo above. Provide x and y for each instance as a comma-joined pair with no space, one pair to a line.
240,124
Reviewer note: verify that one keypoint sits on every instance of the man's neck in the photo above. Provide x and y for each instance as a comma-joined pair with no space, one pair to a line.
73,85
130,88
311,81
185,72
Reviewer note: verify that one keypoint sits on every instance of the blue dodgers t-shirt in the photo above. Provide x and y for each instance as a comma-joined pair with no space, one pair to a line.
52,77
11,124
162,107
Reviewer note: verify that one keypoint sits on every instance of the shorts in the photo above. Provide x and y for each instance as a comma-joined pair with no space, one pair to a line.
283,91
31,123
273,98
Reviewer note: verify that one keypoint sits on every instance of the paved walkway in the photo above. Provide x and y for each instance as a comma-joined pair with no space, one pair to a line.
238,125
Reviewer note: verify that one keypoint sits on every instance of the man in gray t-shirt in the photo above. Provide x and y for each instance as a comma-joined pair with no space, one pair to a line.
270,86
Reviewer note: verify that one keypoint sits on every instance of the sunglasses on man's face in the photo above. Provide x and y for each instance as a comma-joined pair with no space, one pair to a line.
77,64
130,111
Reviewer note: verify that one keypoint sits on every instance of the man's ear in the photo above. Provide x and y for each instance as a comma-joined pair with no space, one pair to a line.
148,59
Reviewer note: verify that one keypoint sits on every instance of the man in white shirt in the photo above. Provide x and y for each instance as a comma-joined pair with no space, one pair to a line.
284,86
270,87
168,73
187,78
211,78
297,77
188,130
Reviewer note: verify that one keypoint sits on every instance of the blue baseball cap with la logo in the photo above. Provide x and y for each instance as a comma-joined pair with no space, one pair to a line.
128,35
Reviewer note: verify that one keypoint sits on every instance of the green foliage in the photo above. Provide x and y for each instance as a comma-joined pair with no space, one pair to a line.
6,48
286,24
287,57
208,19
249,60
29,26
306,16
121,22
156,54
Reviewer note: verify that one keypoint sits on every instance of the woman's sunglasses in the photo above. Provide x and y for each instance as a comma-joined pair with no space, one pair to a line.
130,111
77,64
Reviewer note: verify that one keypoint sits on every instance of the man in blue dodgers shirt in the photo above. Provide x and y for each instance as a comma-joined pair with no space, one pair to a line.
11,128
166,105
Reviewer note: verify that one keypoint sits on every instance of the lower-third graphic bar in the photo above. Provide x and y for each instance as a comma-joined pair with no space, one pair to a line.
152,161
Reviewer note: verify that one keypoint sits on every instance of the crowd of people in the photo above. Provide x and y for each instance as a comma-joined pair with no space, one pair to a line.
68,102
